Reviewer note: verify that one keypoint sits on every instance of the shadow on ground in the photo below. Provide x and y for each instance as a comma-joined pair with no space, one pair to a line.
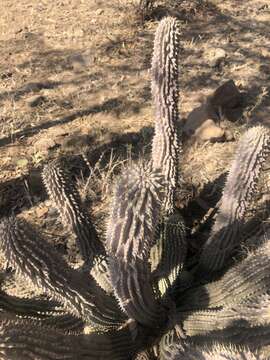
123,80
26,191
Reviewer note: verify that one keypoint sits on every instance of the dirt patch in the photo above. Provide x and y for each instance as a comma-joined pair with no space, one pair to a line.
74,82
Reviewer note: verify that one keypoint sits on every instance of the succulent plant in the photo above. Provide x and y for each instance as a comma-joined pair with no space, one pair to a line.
129,290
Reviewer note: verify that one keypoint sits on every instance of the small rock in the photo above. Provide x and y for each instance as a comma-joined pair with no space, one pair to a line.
209,131
57,132
6,75
50,139
227,95
41,211
195,119
76,141
99,11
228,99
228,135
215,56
36,100
45,144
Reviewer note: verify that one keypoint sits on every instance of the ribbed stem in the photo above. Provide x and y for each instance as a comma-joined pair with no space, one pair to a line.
65,197
22,340
144,355
228,320
252,152
134,216
35,259
165,92
168,254
170,249
167,345
171,348
215,352
249,278
48,313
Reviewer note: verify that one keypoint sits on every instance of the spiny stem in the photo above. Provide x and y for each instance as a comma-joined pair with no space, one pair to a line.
64,195
249,278
35,259
227,321
66,199
209,349
213,352
27,340
49,313
170,248
169,252
24,307
252,151
167,345
134,215
165,92
144,355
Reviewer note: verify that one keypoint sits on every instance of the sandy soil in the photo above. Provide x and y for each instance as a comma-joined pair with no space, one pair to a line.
74,80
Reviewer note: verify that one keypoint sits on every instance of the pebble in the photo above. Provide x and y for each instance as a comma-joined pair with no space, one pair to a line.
209,131
35,100
215,56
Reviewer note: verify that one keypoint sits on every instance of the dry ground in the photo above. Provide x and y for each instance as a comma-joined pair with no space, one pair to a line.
74,82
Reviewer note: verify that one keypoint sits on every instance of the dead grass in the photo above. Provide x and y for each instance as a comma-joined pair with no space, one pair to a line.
85,66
